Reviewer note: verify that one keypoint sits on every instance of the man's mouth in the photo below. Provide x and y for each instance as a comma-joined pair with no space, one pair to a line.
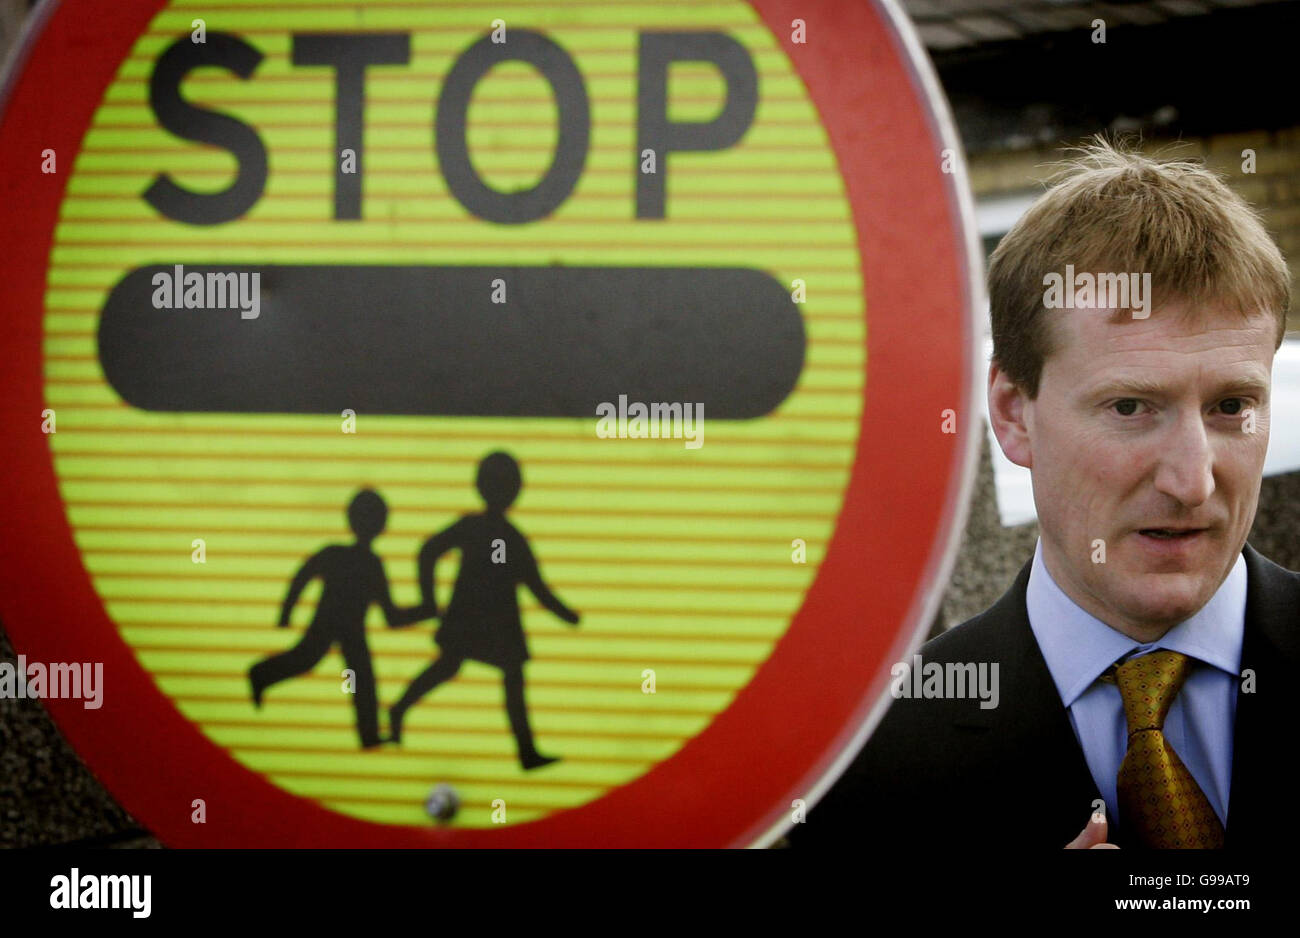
1171,533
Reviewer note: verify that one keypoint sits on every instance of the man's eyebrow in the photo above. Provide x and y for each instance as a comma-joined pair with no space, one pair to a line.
1244,384
1137,385
1134,385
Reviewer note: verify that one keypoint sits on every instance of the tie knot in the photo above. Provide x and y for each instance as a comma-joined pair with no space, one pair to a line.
1148,685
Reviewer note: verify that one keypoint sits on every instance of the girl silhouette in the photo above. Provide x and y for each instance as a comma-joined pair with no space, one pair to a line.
482,620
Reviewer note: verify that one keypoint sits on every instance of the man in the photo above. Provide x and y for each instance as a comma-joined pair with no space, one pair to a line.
1146,655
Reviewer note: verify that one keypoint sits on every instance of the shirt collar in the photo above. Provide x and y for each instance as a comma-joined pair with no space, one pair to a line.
1078,647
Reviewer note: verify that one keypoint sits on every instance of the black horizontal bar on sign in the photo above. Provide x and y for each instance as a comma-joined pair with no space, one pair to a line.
432,341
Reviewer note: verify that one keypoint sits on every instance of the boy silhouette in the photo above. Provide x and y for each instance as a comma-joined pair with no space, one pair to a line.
482,621
354,578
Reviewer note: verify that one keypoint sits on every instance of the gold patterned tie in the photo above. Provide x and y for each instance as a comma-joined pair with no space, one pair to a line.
1158,798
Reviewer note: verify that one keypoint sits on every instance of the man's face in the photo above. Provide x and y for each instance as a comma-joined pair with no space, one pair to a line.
1149,435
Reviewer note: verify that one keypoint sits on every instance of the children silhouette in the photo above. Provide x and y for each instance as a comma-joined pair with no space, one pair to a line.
354,578
482,620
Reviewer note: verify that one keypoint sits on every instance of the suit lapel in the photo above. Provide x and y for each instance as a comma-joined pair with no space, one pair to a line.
1266,711
1036,740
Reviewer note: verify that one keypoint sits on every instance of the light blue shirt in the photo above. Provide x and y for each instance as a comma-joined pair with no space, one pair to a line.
1078,648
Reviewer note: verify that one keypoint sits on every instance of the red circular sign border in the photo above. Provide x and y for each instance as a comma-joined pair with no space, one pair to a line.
793,724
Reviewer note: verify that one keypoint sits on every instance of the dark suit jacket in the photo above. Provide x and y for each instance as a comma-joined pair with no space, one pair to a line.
946,773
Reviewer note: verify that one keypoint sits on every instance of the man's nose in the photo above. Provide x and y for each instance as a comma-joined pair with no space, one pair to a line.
1186,461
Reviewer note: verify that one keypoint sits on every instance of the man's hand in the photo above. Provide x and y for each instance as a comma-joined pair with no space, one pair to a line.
1093,835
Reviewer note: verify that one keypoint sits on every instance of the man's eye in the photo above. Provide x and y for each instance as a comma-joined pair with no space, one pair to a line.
1126,408
1232,406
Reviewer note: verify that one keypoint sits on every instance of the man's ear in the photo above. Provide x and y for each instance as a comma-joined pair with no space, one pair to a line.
1007,405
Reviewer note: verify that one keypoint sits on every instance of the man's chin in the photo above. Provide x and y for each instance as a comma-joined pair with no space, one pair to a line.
1165,599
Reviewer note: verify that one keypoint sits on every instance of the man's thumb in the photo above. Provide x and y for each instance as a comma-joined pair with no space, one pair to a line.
1093,834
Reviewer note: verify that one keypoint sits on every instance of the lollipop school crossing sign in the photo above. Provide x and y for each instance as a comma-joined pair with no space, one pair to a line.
478,424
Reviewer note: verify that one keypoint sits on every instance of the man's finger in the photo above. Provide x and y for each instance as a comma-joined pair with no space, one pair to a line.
1093,835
